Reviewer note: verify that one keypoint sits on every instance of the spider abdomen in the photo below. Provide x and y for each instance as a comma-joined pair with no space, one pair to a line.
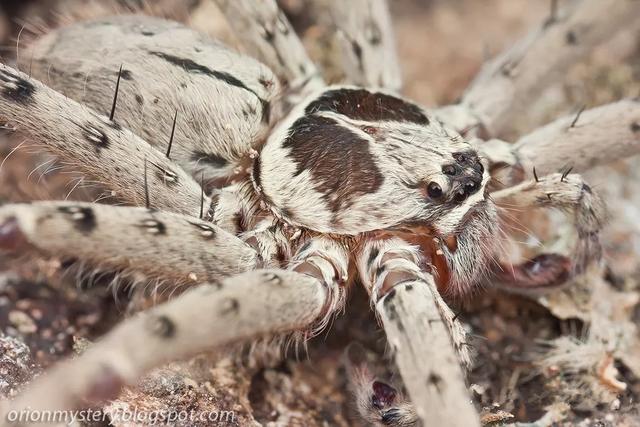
222,99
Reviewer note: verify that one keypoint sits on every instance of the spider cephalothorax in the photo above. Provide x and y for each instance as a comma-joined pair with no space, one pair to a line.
357,162
271,192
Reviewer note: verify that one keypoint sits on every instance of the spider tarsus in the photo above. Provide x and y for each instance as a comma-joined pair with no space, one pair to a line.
115,96
535,175
173,131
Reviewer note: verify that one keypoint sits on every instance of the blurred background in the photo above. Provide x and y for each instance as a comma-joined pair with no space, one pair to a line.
524,347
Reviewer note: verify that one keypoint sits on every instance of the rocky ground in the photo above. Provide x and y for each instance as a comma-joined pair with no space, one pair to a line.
570,358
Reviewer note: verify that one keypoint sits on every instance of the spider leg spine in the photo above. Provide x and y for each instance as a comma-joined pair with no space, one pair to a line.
604,134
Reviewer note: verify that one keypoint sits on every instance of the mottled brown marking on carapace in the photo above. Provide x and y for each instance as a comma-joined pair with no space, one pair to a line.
333,155
361,104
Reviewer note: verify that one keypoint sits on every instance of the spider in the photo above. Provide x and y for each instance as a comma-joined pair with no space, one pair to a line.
270,193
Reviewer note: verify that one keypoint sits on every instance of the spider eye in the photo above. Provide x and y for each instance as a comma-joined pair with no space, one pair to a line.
449,170
470,187
460,157
460,195
434,190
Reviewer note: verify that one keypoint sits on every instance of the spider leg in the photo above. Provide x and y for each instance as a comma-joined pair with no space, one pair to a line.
268,36
427,342
97,146
173,248
241,308
512,80
365,35
567,192
596,136
591,138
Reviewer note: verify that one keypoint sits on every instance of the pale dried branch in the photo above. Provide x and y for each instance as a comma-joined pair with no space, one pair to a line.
508,83
365,35
424,337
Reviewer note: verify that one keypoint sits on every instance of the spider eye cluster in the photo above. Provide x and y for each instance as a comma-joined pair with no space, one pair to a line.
464,176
